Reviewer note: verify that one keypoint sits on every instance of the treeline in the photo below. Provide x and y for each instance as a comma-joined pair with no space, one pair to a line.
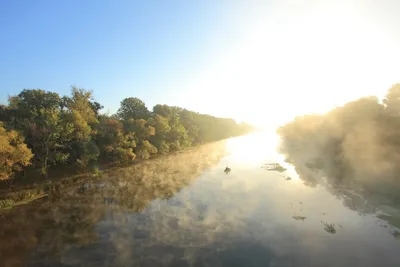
41,129
355,144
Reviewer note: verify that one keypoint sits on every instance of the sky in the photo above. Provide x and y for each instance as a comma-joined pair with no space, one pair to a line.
263,62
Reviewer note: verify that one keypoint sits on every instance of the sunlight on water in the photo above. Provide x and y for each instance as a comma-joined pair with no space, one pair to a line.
254,147
258,148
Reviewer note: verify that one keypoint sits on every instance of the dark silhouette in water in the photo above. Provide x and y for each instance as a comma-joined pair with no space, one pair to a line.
227,170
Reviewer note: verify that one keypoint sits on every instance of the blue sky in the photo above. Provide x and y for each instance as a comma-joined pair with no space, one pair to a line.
250,60
116,48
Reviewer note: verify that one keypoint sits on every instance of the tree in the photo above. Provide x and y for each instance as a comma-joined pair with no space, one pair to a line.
96,107
14,154
142,132
355,144
81,101
188,119
140,128
177,137
115,145
4,113
70,129
163,110
145,149
80,114
392,100
160,125
162,128
38,115
133,108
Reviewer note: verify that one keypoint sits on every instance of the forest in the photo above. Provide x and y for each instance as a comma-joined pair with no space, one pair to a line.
357,145
40,130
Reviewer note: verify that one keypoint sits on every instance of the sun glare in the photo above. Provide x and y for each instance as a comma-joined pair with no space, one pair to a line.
275,73
243,147
243,150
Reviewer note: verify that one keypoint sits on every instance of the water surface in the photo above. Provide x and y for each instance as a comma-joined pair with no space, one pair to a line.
184,210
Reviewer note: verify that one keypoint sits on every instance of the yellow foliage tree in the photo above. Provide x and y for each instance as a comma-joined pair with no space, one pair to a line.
14,154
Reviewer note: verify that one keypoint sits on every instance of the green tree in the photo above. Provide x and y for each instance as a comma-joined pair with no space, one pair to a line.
177,137
14,154
133,108
142,132
38,115
70,129
188,119
81,115
162,130
96,106
140,128
163,110
145,149
4,113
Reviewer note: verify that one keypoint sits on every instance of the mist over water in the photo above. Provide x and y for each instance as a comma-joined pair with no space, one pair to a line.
184,210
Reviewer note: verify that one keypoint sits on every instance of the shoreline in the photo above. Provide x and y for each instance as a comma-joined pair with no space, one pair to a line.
24,193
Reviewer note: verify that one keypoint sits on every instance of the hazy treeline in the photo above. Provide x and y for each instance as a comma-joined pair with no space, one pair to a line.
357,144
43,129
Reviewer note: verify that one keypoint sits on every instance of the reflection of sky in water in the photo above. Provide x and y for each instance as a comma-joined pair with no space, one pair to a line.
243,218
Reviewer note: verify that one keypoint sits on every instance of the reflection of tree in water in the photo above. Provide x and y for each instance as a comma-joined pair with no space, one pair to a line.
71,223
352,150
47,227
178,237
329,227
353,195
135,187
51,227
238,253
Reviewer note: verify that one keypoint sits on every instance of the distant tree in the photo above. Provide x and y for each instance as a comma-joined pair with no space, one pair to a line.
392,100
133,108
14,154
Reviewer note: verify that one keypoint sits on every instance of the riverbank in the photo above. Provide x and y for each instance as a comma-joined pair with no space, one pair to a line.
15,196
21,191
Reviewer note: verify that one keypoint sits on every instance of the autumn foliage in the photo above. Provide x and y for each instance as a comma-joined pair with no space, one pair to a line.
45,130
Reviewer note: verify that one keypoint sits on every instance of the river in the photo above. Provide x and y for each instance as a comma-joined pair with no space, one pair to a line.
184,210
